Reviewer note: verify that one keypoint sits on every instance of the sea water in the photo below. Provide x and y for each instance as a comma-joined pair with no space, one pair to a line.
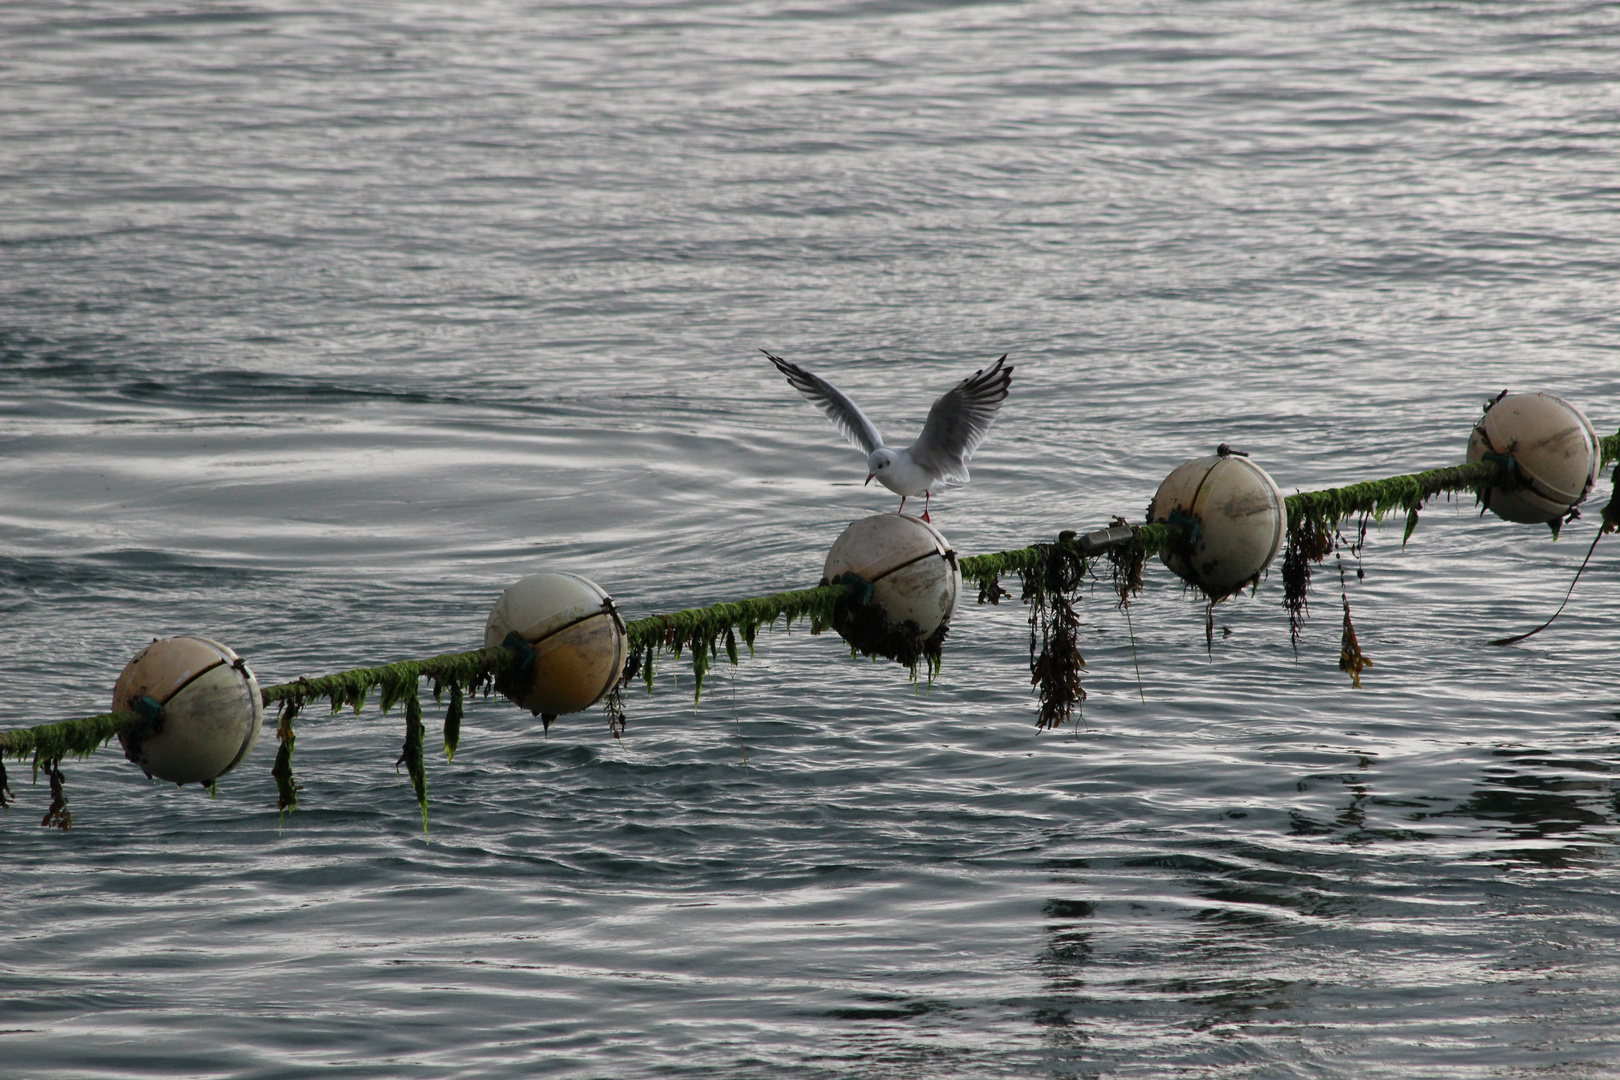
320,325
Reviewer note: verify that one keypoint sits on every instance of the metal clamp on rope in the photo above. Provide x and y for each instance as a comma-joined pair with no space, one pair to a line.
1100,539
609,608
862,587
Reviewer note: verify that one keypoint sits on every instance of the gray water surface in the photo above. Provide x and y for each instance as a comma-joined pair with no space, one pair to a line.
320,327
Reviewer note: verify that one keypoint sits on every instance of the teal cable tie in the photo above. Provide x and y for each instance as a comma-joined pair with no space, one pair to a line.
1193,526
519,648
862,587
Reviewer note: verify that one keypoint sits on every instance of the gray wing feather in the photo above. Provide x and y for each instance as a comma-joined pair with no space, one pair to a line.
959,421
844,413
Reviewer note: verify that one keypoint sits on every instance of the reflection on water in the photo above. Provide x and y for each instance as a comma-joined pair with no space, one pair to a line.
1256,945
1063,1010
1551,816
1556,808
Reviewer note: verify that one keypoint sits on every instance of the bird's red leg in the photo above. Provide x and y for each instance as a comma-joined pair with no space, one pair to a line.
902,505
925,506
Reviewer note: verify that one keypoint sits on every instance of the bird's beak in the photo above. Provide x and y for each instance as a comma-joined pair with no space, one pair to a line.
869,478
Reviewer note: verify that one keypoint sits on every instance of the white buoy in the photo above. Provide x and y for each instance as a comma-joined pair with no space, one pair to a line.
202,706
914,582
1228,518
1554,452
577,638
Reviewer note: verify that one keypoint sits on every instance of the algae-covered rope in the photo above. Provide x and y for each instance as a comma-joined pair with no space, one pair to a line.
54,741
701,629
706,630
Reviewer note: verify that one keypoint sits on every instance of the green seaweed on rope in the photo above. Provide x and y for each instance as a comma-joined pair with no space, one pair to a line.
49,743
702,630
463,672
57,815
452,719
1315,518
78,738
1051,589
986,571
411,755
281,771
1127,561
1051,574
470,670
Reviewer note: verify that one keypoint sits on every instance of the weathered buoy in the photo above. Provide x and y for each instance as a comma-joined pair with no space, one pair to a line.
1554,455
907,581
202,707
570,638
1229,519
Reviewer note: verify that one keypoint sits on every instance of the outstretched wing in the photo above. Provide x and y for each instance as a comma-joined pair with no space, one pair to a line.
959,421
844,413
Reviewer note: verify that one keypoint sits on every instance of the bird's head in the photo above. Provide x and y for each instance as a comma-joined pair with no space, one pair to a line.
878,462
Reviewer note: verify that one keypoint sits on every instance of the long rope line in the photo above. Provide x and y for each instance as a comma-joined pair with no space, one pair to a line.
1314,520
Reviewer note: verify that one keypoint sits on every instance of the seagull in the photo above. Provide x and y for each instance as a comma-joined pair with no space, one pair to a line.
956,425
